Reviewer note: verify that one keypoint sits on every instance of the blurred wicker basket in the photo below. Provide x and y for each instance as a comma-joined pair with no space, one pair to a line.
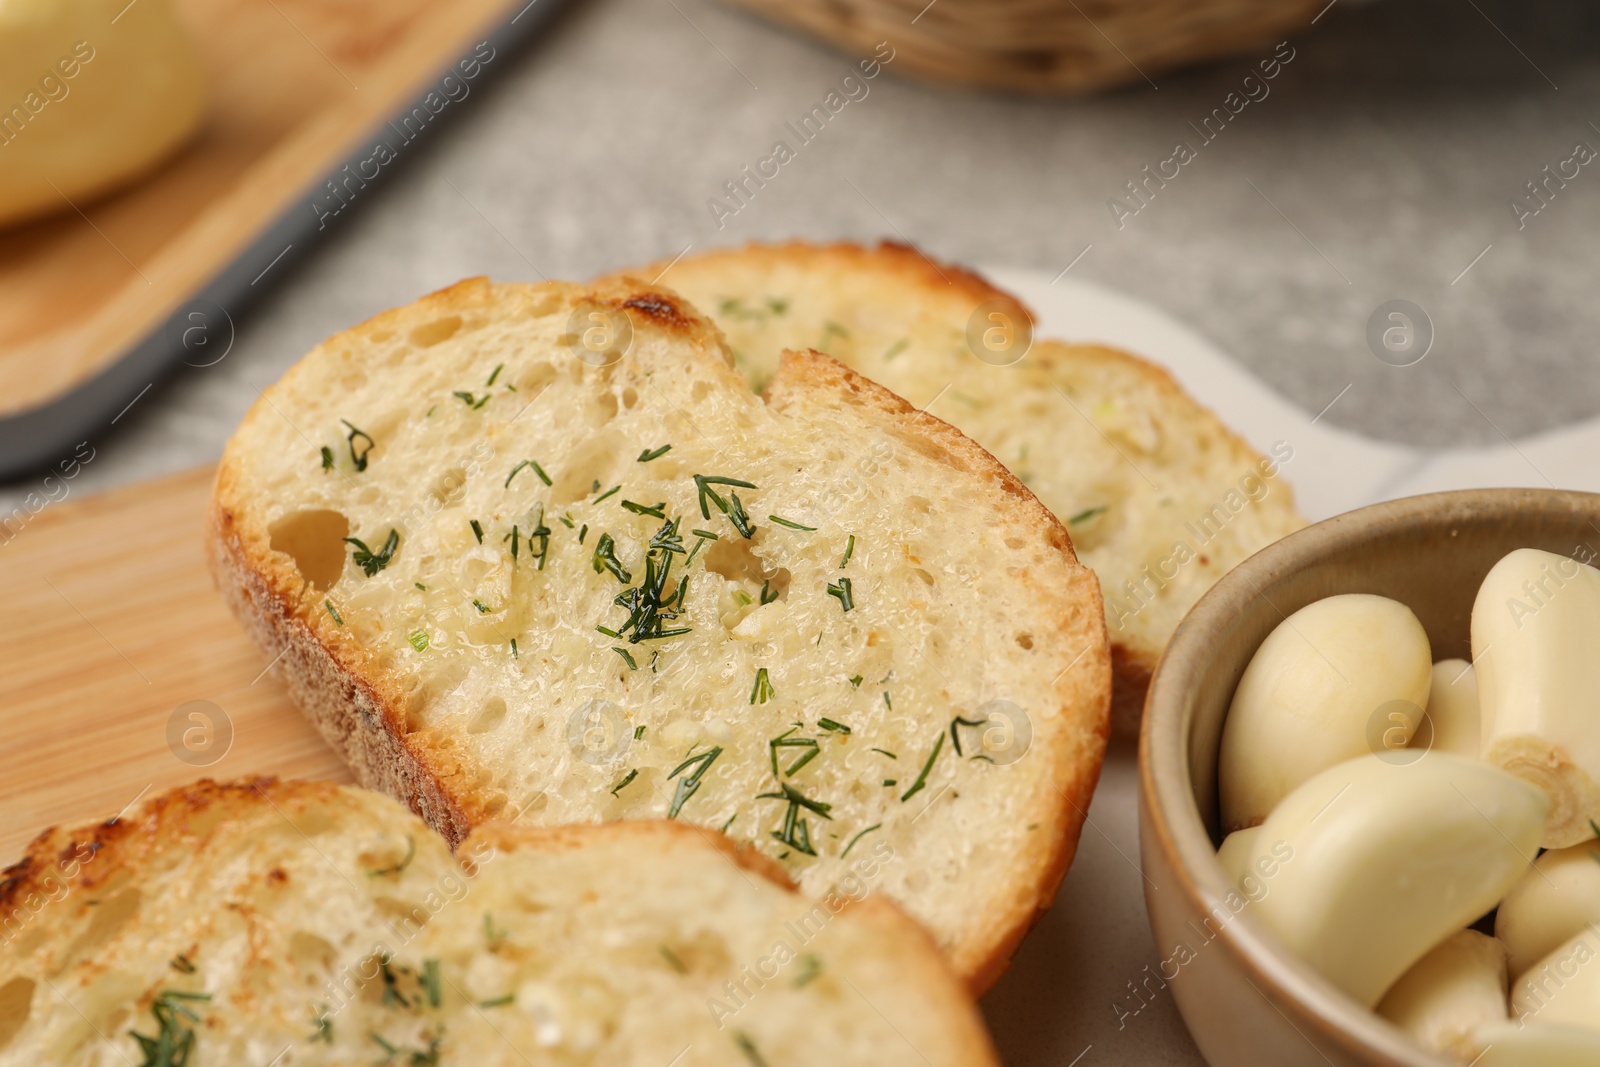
1044,46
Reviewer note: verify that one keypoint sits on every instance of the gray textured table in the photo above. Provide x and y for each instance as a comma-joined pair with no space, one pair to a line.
1382,164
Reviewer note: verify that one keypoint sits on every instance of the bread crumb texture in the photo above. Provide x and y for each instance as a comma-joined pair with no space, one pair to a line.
538,551
307,923
1160,498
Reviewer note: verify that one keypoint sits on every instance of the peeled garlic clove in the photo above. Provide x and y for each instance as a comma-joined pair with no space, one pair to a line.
1234,855
1311,692
1390,860
1536,643
1537,1044
1453,709
1556,900
1451,992
1564,987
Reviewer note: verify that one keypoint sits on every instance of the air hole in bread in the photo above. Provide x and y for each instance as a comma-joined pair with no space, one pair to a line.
699,391
1025,641
921,505
592,461
431,333
735,560
602,410
536,378
446,490
927,579
314,540
16,1001
1015,542
488,717
311,956
111,915
630,397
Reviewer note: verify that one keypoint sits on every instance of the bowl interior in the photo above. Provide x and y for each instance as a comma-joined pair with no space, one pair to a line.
1430,553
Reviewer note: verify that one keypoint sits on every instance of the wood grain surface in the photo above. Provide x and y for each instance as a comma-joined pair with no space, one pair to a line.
111,625
294,85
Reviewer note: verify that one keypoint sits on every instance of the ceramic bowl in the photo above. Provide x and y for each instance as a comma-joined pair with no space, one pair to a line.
1246,1000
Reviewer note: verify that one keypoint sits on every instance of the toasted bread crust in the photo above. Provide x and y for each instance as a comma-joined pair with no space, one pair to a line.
359,707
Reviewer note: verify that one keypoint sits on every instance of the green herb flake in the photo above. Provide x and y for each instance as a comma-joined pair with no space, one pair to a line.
922,779
673,961
359,458
615,489
333,611
855,681
498,1002
514,654
420,586
733,508
653,453
174,1040
627,657
498,367
810,967
638,732
627,780
896,348
858,837
849,550
885,752
430,978
182,964
605,558
810,750
796,833
399,868
477,530
955,735
763,690
324,1026
781,521
1086,514
689,784
655,511
748,1047
836,727
327,458
369,561
418,639
841,592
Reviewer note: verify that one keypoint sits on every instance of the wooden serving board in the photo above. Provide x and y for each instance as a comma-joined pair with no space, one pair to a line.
110,624
295,85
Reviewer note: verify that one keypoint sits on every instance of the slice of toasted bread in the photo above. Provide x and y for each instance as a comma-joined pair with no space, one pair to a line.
1159,496
883,636
639,942
301,923
251,894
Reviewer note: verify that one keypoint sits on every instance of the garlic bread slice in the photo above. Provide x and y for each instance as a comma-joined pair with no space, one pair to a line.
540,549
300,924
1161,499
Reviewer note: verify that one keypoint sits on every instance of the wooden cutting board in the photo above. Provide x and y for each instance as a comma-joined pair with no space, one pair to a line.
110,625
294,85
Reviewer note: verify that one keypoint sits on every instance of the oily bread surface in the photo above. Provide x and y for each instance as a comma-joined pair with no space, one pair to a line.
966,596
307,923
1159,496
